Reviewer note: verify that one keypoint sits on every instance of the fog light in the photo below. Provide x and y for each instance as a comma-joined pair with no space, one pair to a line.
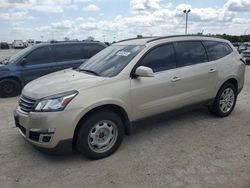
46,138
41,135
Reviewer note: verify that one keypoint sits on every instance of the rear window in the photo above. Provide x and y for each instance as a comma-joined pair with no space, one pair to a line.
190,53
68,52
217,50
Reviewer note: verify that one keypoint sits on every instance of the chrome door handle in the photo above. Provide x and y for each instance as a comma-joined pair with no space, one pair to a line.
212,70
175,79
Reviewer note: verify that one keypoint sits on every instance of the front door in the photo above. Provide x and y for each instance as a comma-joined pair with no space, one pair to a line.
151,94
38,63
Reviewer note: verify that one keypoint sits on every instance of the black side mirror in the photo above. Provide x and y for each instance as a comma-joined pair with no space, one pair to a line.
23,62
75,67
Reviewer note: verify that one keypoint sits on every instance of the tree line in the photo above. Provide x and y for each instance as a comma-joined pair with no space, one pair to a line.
235,38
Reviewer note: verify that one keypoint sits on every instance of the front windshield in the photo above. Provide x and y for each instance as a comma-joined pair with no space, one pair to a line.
112,60
20,53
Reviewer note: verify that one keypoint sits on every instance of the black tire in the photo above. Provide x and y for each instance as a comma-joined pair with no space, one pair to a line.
83,137
9,88
216,108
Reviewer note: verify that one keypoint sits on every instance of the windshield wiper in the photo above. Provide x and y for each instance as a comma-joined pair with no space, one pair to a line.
89,71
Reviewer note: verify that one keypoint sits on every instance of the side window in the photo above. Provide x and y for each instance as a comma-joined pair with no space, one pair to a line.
92,49
68,52
190,53
217,50
40,56
160,59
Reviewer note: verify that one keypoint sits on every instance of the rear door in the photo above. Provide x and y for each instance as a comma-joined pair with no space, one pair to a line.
39,62
68,55
220,54
196,77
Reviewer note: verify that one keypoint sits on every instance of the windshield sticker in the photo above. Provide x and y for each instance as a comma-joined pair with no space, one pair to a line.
123,53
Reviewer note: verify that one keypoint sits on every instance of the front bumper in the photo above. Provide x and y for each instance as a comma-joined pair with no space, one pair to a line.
51,131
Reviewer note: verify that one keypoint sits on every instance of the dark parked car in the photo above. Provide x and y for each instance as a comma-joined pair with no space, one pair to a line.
242,48
246,55
36,61
4,45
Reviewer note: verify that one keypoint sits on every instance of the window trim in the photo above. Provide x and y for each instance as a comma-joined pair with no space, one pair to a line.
132,73
195,63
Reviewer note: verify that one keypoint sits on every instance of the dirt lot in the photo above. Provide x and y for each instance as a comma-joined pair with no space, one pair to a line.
192,150
7,53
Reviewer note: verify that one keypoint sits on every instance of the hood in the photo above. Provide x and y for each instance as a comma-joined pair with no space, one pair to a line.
58,82
3,67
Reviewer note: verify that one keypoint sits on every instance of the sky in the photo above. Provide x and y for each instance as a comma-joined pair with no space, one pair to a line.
113,20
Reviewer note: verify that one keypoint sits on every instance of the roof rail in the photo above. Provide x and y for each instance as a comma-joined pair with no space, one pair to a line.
172,36
135,38
89,41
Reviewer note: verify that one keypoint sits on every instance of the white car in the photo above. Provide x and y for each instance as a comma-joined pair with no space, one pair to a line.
18,44
30,42
92,107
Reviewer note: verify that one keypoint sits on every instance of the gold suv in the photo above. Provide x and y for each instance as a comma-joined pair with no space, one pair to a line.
93,106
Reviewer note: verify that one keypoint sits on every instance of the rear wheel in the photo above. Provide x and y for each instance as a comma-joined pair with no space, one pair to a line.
100,135
225,100
9,88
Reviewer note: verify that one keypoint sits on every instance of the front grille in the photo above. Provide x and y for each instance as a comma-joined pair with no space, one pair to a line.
26,104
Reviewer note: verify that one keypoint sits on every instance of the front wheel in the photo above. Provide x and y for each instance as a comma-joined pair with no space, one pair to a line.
100,135
225,100
9,88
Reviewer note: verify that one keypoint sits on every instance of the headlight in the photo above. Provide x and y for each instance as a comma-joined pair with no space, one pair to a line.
55,103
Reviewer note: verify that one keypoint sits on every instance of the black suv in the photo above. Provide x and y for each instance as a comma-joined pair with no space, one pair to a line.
4,45
36,61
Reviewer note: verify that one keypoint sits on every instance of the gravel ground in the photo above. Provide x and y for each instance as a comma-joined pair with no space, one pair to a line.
7,53
193,149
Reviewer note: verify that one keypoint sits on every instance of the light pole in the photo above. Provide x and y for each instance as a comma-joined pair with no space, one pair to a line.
245,33
42,37
186,12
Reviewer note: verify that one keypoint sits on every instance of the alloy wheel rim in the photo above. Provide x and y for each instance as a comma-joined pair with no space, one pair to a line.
227,100
102,136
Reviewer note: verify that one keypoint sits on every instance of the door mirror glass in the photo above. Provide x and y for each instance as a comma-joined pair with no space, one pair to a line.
144,72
